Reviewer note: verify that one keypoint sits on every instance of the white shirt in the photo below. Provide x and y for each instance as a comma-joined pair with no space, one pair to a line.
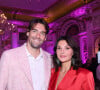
98,57
98,72
37,71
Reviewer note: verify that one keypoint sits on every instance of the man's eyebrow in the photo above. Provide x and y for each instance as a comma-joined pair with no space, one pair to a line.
33,29
44,31
37,30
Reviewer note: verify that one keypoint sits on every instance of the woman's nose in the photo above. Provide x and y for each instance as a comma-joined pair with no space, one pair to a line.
62,50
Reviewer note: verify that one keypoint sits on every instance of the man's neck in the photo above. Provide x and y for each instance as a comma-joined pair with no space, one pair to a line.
33,51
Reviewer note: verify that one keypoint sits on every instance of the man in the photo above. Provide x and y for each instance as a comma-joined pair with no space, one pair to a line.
98,67
27,67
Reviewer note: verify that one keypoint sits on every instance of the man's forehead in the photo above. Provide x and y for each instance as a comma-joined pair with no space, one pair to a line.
37,27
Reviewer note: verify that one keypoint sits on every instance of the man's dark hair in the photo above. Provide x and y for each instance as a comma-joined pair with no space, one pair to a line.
34,21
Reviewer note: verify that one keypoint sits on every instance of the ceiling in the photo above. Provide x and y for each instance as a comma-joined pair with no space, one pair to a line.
50,10
34,5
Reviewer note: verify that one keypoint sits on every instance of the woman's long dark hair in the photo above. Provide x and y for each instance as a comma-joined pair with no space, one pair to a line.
75,61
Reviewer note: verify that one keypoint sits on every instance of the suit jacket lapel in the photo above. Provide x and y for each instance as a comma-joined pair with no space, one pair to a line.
47,68
69,78
24,63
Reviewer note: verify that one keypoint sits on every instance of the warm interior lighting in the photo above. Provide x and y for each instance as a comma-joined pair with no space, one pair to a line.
5,26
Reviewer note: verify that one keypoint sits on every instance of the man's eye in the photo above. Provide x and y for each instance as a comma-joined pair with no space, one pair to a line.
43,33
34,30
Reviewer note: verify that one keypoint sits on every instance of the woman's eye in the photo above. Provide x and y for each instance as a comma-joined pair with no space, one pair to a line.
58,48
67,48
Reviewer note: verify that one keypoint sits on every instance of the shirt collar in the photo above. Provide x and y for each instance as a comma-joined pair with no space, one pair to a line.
28,54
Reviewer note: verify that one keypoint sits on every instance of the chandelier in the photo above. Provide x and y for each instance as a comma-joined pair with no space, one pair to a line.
3,19
5,26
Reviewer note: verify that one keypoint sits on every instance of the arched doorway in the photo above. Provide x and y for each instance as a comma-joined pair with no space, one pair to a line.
72,30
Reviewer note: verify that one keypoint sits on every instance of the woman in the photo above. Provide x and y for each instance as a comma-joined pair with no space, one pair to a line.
67,73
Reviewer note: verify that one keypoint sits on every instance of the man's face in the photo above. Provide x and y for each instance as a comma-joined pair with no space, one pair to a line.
36,36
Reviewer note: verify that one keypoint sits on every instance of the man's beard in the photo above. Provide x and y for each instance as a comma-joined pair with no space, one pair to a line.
36,46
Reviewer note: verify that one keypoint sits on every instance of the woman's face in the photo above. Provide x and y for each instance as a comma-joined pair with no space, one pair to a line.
64,51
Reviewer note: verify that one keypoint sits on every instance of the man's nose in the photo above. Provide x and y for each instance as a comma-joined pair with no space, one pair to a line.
38,35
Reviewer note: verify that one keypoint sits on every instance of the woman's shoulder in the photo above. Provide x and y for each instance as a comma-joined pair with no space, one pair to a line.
84,71
53,70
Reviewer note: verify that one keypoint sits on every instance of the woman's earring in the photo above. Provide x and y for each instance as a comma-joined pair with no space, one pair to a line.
58,62
73,61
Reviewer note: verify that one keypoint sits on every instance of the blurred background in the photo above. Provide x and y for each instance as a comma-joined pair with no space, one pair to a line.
77,18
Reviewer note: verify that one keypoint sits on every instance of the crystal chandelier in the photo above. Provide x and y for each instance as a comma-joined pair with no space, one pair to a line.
3,20
5,26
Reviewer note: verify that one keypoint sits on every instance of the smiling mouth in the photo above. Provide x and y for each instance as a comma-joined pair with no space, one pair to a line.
37,40
62,56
